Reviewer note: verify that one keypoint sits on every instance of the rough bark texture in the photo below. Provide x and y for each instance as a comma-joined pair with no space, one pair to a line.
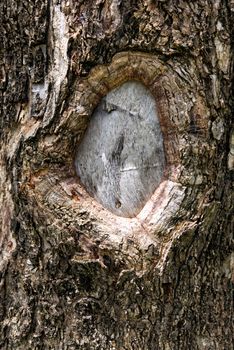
73,275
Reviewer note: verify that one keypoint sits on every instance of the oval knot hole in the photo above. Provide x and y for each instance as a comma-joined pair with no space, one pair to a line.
120,160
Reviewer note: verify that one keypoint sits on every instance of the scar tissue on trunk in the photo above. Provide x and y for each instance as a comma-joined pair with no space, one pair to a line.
120,160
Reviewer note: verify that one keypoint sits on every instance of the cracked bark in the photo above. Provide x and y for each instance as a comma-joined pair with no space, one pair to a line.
73,275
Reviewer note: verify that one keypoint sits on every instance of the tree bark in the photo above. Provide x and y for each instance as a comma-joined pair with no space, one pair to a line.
73,274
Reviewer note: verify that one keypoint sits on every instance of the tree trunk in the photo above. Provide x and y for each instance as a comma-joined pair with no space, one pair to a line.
74,275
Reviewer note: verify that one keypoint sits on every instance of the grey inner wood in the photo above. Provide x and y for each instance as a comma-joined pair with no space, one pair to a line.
120,160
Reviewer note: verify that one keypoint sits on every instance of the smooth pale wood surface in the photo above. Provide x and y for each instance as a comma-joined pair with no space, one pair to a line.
120,160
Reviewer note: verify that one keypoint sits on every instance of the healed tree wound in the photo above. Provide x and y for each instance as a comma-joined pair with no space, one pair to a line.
120,160
73,274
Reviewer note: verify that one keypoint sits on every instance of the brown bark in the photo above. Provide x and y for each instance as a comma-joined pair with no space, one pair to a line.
73,275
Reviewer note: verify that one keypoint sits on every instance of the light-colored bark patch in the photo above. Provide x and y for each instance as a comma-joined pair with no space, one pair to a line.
121,159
